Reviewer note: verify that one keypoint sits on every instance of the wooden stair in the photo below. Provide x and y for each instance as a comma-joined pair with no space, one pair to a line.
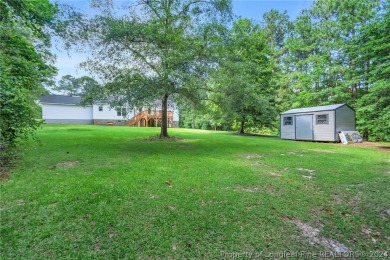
149,118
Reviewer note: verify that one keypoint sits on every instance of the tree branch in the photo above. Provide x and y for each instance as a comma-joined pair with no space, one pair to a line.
143,58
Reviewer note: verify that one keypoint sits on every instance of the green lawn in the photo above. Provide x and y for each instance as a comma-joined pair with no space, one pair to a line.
106,192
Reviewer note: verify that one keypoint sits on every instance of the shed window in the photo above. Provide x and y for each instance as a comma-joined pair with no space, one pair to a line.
322,119
287,120
100,108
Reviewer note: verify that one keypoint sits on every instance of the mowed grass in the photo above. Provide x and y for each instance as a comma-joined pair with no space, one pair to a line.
106,192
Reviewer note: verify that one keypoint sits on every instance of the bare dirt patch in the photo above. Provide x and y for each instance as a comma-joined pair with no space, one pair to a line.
336,199
296,152
320,151
355,200
311,172
370,234
247,189
249,155
4,175
274,174
352,201
252,189
379,146
385,214
255,163
307,171
67,164
314,238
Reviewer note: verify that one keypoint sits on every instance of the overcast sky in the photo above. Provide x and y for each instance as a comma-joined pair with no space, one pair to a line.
252,9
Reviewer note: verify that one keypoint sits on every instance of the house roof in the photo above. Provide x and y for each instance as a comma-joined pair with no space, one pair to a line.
313,109
60,99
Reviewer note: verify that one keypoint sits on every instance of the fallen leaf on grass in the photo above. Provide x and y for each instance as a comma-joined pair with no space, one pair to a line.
330,212
97,248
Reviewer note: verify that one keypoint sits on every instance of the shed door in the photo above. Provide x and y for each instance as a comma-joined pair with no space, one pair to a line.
304,127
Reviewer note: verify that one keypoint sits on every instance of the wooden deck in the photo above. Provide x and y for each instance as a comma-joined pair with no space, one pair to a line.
151,118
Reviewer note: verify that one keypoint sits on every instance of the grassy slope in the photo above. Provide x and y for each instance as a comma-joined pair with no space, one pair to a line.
116,202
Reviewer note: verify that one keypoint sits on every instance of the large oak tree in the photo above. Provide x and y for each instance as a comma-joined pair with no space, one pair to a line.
158,49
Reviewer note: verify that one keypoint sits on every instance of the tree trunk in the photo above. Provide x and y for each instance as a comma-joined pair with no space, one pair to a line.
354,93
365,135
242,127
193,116
366,73
164,123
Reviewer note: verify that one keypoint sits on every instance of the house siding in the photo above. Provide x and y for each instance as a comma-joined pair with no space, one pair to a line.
110,114
66,114
58,109
345,120
69,121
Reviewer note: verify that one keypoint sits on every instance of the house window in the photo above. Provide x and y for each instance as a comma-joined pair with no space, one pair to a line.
100,108
322,119
121,111
287,120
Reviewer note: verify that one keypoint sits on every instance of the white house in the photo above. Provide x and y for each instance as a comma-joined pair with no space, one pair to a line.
59,109
321,123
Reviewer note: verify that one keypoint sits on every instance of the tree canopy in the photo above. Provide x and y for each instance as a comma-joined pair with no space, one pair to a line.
160,49
72,86
25,64
225,73
242,81
334,52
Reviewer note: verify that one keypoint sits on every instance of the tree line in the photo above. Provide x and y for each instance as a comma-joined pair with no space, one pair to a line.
334,52
224,72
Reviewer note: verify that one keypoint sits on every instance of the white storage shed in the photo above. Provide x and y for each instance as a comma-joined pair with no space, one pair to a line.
321,123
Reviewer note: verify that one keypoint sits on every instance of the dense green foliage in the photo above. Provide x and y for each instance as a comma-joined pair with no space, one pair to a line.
239,92
71,86
373,108
158,50
107,193
242,81
335,52
24,65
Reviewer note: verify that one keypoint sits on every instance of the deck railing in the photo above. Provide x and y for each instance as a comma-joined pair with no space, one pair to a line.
147,115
